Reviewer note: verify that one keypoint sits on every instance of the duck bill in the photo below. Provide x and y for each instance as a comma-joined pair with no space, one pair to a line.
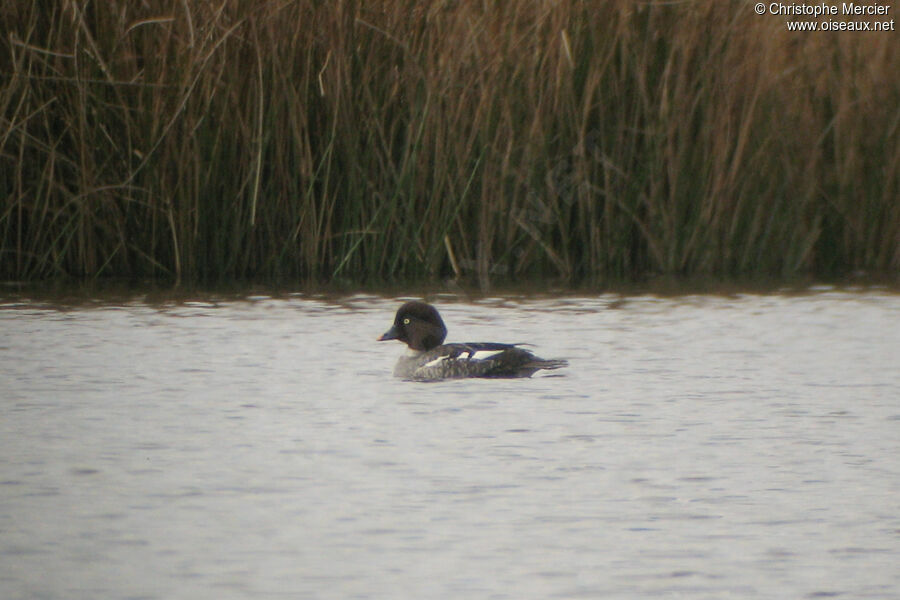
390,334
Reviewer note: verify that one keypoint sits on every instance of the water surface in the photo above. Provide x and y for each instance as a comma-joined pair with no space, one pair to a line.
743,446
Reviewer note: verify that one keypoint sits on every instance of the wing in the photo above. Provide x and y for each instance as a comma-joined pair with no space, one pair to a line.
478,359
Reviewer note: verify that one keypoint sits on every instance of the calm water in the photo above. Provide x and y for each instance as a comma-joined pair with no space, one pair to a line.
699,446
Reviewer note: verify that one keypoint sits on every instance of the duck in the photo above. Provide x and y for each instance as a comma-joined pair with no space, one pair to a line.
428,358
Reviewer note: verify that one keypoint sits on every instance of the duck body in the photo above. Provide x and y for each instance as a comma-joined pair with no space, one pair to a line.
428,359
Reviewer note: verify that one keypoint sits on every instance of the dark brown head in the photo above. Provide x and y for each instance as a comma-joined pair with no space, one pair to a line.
419,325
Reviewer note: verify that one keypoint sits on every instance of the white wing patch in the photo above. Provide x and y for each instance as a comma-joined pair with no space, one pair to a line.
436,361
484,354
465,356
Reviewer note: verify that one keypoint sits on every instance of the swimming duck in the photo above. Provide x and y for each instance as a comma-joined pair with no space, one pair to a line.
420,326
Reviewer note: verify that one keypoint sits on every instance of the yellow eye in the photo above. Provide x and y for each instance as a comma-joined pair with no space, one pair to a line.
406,321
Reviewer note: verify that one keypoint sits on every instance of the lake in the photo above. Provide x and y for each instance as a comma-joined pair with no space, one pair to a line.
741,445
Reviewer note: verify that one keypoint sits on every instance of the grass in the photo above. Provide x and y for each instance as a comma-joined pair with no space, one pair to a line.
377,141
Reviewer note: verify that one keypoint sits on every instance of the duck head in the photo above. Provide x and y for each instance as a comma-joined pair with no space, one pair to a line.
418,325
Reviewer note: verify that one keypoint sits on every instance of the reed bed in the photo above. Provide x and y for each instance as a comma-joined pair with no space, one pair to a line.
586,141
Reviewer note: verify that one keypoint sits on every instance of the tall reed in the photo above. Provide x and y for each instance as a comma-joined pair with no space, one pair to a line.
589,141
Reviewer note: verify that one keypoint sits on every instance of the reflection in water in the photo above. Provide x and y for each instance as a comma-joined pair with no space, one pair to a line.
706,446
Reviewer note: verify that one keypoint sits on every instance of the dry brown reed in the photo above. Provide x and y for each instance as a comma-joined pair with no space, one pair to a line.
584,140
